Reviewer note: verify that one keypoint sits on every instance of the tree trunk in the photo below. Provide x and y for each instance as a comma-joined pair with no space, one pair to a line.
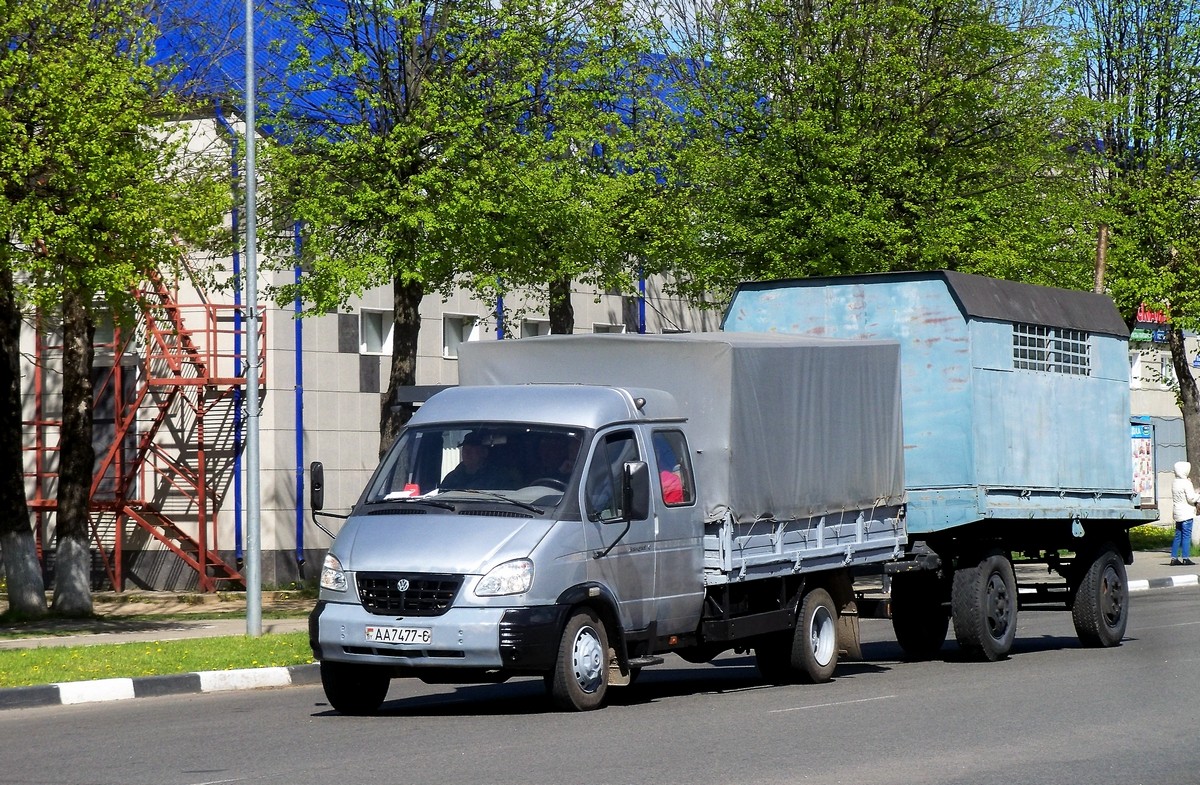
406,326
562,314
73,561
1101,259
26,591
1189,399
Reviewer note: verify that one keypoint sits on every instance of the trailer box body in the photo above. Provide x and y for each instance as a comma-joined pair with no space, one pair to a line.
1015,397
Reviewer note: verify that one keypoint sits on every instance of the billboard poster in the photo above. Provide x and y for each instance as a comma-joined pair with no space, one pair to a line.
1143,462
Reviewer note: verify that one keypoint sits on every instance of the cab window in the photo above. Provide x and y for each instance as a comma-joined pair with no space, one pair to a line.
603,488
675,483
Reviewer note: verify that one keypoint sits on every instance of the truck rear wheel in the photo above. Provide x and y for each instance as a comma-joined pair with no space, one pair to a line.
1101,599
354,689
920,617
983,602
815,648
580,678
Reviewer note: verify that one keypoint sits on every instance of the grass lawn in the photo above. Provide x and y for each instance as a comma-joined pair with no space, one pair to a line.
50,664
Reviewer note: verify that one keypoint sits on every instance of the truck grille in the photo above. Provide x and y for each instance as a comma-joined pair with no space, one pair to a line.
422,595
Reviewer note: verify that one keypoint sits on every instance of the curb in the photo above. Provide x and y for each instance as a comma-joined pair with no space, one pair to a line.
73,692
1169,582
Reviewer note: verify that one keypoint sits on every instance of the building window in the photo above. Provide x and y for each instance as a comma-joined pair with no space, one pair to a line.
375,332
1054,349
531,328
456,330
608,328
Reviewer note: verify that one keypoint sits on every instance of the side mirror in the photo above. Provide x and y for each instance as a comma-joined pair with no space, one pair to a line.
635,490
316,486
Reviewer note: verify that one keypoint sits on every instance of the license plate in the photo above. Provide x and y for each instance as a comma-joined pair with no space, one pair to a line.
399,634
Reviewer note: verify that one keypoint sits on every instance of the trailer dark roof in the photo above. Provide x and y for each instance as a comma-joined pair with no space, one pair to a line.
980,297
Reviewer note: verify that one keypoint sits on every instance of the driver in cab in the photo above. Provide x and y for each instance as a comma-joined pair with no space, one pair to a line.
475,470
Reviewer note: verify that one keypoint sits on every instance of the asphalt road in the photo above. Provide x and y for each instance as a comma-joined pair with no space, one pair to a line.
1052,713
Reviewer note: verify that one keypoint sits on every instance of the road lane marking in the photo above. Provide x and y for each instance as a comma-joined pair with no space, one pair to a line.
830,705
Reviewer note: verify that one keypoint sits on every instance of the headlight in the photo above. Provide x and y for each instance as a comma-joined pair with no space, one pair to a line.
332,576
512,577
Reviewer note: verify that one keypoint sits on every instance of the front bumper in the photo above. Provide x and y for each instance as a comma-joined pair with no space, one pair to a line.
509,639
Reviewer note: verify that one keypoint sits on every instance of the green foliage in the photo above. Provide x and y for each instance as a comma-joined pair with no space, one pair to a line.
849,137
1151,537
1138,64
52,664
471,144
98,188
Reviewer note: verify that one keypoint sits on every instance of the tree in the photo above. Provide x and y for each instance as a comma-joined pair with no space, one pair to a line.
1138,63
415,150
584,183
845,137
97,197
26,590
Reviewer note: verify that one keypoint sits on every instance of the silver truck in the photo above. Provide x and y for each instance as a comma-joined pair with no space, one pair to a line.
583,505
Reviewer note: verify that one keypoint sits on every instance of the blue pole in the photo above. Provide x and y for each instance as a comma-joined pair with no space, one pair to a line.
641,303
299,333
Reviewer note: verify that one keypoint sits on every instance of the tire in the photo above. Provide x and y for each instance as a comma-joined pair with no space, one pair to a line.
815,648
354,689
580,678
1101,601
983,603
920,617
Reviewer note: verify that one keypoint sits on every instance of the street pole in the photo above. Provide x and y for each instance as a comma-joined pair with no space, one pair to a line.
252,572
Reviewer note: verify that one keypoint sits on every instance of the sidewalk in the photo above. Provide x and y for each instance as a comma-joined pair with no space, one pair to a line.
1150,570
117,626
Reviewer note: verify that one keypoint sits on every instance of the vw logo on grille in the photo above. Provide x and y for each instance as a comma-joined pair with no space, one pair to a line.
402,584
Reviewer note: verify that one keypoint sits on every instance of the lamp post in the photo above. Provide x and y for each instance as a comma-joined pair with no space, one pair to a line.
252,565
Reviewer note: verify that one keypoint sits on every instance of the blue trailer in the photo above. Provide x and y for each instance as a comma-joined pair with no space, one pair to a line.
1016,414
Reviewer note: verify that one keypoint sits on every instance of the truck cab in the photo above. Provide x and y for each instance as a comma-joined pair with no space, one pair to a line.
498,513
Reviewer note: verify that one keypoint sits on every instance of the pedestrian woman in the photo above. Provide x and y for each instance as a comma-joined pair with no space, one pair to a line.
1183,509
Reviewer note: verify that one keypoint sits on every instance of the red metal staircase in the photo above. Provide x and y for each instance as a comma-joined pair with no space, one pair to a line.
160,478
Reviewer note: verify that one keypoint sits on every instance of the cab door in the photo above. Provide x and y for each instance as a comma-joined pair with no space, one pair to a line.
679,534
627,566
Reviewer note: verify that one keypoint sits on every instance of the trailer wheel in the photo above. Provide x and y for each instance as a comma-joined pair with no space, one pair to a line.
920,617
983,602
815,648
580,678
354,689
1101,599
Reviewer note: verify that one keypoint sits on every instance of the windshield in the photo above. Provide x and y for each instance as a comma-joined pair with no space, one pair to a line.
530,464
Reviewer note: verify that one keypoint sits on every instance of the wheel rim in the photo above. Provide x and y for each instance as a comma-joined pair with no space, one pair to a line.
999,606
587,660
821,636
1111,596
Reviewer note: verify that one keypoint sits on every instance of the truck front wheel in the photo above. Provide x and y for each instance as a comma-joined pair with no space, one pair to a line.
354,689
580,677
920,617
983,602
1101,599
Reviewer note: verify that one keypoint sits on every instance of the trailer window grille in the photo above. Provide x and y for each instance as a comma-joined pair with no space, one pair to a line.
1053,349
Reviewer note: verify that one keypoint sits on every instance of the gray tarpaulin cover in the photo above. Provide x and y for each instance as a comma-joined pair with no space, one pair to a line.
779,426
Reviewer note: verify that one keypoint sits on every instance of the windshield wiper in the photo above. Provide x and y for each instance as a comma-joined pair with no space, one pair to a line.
413,499
500,498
